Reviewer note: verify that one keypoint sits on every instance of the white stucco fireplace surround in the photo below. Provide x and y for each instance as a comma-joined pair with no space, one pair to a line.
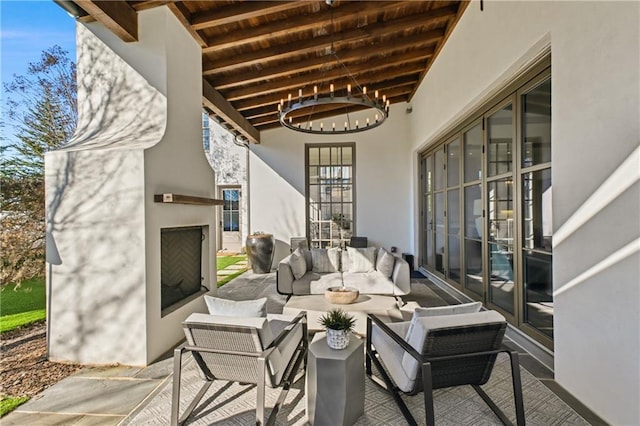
139,134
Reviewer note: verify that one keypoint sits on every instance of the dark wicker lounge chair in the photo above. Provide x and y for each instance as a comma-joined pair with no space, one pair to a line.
453,350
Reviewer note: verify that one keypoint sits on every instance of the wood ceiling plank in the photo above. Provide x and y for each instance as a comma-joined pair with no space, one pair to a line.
408,59
416,41
120,18
239,12
213,100
383,84
231,62
149,4
301,23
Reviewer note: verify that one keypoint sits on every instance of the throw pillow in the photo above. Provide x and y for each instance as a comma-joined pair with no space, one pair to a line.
325,260
298,264
464,308
361,259
385,262
233,308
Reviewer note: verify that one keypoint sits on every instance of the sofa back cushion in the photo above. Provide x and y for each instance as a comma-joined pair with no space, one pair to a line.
325,260
385,262
359,259
298,264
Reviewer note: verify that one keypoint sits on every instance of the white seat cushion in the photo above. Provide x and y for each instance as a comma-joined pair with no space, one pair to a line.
391,353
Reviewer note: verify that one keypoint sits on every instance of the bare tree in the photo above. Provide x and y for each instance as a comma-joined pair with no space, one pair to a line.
42,110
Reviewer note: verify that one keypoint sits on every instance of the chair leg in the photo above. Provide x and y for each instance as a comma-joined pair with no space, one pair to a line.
496,410
389,387
427,385
517,387
262,368
175,397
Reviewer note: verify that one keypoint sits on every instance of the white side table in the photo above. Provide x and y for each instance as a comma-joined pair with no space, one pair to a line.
335,382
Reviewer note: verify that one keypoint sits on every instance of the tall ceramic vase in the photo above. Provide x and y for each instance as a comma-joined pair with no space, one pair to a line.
260,250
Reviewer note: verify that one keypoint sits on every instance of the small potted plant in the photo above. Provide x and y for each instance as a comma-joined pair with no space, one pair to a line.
260,248
339,326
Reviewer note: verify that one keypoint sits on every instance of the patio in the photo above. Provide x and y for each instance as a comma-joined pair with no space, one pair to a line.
122,395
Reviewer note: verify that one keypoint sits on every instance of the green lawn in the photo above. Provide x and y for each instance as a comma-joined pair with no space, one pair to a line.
22,305
224,261
9,403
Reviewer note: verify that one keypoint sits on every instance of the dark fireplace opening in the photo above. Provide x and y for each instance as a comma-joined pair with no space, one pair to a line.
180,266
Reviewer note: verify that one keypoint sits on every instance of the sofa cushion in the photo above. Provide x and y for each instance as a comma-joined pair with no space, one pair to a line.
298,264
391,353
464,308
325,260
368,282
233,308
385,262
359,260
314,283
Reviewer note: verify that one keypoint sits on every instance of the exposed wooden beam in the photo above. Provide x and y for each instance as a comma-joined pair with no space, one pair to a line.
416,41
229,62
150,4
183,15
238,12
231,38
120,18
294,82
213,100
382,84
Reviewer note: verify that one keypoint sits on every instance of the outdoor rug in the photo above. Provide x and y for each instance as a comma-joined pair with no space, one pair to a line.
233,404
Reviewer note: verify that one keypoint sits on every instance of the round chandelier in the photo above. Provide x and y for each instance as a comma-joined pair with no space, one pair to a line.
334,105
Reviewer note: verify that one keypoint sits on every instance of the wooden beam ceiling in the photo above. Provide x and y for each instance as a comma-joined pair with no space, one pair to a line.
255,52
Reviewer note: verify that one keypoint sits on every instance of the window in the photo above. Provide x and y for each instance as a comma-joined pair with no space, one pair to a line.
231,210
486,206
330,194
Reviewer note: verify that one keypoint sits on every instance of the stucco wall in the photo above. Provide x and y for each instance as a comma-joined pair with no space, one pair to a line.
139,134
595,129
383,201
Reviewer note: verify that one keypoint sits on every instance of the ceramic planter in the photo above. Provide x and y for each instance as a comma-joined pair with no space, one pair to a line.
337,339
260,250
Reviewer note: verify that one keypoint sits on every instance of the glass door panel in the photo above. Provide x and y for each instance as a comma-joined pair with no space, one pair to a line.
536,125
439,231
537,228
453,163
427,209
473,224
453,234
500,237
473,154
500,141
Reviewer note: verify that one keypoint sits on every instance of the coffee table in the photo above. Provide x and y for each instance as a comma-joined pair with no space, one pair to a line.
316,305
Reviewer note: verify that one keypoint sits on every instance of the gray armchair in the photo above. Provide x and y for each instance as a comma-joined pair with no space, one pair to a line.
433,352
241,350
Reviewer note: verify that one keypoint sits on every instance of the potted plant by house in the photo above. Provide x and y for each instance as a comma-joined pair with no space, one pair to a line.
339,326
260,247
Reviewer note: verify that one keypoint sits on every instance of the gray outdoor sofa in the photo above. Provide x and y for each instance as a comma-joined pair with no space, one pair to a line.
369,270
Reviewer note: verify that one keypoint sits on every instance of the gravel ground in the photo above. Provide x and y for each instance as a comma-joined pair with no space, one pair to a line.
24,368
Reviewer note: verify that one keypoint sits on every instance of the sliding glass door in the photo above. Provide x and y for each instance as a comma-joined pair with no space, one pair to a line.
486,205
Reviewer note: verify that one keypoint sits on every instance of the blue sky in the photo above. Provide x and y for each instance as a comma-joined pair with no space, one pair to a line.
29,27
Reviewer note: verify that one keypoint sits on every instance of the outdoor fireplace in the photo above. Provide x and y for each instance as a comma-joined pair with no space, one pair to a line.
139,134
180,266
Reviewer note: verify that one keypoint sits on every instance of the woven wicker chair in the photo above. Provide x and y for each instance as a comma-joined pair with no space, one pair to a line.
452,350
242,350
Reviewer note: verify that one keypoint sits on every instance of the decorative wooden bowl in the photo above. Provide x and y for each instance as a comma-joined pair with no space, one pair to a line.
341,295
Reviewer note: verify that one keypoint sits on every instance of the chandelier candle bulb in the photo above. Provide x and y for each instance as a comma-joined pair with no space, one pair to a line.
315,92
367,121
348,90
331,89
345,125
321,126
334,127
384,98
356,124
364,90
376,95
376,118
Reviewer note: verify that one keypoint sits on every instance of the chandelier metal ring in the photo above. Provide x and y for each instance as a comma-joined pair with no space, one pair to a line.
285,115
